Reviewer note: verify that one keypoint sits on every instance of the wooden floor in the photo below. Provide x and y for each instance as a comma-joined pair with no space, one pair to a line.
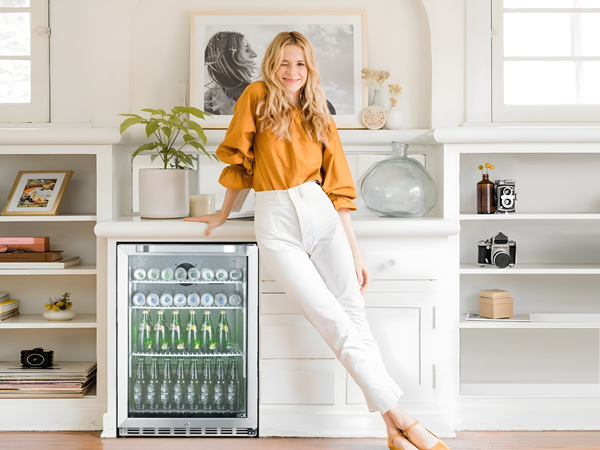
466,440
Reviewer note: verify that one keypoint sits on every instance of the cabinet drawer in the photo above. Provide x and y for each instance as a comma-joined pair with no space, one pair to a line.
292,342
297,387
401,265
272,303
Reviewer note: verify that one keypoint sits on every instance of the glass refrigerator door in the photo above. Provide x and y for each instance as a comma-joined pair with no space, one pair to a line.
187,339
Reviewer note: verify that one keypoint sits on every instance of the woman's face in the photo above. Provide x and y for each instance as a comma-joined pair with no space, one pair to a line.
292,72
247,50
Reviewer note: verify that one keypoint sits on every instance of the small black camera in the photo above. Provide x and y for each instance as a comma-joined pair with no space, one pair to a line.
505,196
38,358
497,251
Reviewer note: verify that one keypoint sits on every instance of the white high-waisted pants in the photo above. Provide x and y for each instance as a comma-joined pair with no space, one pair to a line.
303,244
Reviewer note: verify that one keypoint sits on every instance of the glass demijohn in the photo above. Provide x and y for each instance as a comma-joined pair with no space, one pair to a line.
398,186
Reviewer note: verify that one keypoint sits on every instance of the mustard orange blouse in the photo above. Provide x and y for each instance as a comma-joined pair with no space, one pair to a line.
259,160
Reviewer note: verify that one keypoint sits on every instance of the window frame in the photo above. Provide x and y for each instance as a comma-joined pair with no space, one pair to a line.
485,83
38,110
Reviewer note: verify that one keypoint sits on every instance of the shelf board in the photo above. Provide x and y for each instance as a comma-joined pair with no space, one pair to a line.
60,218
530,390
532,269
517,216
82,269
38,321
539,320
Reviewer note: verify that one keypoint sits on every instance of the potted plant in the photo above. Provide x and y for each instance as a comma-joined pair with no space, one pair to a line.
164,193
60,308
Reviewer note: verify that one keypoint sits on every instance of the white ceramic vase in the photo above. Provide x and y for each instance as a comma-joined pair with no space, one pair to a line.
164,193
395,118
60,315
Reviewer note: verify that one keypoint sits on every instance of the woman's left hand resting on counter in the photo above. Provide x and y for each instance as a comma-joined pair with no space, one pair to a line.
218,219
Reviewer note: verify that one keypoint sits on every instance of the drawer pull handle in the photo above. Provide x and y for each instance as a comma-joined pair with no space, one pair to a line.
390,263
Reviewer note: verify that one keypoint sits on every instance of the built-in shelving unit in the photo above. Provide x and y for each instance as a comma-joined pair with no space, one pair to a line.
87,200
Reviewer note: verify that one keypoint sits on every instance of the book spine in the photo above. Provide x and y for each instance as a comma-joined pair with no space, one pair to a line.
24,241
30,257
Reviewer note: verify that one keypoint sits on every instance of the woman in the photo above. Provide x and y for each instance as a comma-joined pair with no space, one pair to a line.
229,61
283,142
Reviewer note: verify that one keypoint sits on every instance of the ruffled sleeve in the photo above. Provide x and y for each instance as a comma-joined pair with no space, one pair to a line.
337,179
236,149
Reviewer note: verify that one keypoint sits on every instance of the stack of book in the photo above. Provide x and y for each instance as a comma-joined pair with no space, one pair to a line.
32,253
8,308
64,379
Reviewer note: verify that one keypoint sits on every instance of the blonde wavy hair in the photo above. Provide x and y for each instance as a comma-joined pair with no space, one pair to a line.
275,111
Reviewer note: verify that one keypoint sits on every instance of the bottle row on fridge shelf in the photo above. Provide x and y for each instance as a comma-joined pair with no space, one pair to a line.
195,391
160,337
181,299
181,274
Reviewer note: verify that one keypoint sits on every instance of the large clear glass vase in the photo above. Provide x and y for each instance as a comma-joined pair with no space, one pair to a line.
398,186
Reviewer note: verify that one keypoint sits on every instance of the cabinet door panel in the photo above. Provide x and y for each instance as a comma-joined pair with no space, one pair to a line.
271,303
292,341
297,387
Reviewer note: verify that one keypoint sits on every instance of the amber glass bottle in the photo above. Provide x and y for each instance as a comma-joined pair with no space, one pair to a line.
485,196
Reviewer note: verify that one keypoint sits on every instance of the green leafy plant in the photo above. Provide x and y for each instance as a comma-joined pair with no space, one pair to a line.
167,128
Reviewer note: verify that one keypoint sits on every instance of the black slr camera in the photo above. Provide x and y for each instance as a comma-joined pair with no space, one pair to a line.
497,251
38,358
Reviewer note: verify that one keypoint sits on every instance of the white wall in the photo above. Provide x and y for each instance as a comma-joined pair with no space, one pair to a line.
117,56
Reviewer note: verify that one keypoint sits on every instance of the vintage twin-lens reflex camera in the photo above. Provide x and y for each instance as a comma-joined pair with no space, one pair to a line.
505,196
497,251
38,358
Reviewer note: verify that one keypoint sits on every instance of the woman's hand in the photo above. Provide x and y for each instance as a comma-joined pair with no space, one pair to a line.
363,273
212,220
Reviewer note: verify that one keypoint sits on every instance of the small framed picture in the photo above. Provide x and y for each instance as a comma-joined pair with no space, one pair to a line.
37,193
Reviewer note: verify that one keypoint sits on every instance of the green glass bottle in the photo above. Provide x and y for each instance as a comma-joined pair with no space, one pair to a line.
223,334
220,387
193,387
207,334
233,387
153,387
139,387
179,387
145,341
161,338
177,343
207,386
166,387
193,342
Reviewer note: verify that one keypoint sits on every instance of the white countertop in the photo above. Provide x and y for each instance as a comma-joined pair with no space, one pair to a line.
365,225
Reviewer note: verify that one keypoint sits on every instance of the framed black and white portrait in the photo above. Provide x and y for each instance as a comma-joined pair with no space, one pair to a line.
227,51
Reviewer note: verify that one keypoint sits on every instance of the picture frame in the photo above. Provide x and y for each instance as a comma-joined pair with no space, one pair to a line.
339,39
37,193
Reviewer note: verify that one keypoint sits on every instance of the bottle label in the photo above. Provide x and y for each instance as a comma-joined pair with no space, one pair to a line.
197,346
177,393
204,393
137,392
180,346
174,328
191,393
231,394
149,347
160,327
218,394
164,346
151,393
213,346
224,328
164,393
205,327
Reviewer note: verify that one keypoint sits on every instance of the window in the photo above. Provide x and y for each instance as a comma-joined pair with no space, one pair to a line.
24,61
546,60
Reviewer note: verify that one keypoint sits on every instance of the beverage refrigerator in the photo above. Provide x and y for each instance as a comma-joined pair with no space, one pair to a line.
187,339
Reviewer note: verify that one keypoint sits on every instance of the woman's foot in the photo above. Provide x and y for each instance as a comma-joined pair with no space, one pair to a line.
400,441
421,438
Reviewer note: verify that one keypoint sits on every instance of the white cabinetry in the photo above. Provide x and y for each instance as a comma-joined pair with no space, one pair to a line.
88,198
300,378
543,373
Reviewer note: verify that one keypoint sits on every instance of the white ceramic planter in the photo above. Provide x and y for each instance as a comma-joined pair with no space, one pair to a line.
395,118
164,193
61,315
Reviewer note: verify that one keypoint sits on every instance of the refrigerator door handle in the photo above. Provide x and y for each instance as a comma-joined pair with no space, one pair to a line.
187,248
